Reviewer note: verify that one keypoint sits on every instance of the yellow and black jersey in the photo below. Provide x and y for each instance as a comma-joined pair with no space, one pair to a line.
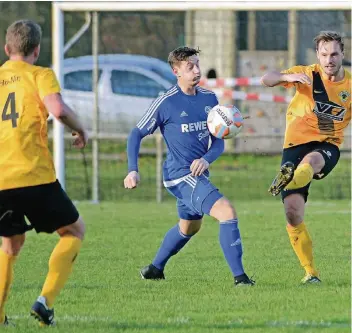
320,111
25,159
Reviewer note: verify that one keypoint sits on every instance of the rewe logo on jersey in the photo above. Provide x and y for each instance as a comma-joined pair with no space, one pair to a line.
193,127
329,110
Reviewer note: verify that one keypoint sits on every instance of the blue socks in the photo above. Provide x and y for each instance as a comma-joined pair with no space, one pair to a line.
173,242
230,241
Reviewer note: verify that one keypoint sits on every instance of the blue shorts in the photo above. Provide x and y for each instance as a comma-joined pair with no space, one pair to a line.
195,197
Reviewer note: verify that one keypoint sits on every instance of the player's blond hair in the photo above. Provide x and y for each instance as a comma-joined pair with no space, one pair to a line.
22,37
181,54
328,36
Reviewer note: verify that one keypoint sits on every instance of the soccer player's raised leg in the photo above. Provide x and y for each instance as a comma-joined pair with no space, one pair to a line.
311,164
284,177
60,266
290,179
10,249
230,238
294,203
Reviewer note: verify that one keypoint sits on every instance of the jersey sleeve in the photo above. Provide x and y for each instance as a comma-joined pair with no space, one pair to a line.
47,83
292,70
152,118
216,101
216,148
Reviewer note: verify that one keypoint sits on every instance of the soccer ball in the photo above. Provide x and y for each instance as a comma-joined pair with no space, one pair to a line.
224,122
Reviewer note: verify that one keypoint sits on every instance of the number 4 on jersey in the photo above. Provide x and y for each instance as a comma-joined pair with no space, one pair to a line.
10,106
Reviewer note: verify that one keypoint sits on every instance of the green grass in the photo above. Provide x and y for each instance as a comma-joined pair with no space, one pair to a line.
244,177
106,294
238,176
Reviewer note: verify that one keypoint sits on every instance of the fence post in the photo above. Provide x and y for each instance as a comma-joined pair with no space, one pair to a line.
58,59
95,141
292,37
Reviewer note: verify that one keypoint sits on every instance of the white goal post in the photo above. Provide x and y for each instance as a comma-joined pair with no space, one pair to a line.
58,9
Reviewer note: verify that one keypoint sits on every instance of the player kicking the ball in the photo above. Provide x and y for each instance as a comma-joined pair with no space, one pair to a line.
316,119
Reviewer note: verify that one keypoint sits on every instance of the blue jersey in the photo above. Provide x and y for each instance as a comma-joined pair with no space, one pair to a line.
182,120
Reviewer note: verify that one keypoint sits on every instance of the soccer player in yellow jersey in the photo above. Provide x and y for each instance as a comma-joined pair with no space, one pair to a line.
28,186
315,122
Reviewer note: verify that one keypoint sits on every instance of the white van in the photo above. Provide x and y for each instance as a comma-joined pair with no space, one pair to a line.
127,85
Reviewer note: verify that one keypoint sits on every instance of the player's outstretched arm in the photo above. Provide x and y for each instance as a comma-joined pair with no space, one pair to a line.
62,112
272,79
149,122
198,166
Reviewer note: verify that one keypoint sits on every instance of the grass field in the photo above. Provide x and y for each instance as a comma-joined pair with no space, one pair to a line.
238,176
106,294
251,173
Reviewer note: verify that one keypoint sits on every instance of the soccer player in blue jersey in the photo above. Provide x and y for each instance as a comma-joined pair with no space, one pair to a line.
181,115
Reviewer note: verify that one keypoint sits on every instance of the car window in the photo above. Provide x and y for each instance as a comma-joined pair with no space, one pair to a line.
80,80
129,83
166,74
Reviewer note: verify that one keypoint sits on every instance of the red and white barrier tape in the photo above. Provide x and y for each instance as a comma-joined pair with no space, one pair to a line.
243,96
230,82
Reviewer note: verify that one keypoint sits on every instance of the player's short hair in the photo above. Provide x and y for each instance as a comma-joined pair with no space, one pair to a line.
22,37
181,54
328,36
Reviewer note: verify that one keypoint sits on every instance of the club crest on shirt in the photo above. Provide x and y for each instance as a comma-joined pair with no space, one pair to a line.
344,95
207,109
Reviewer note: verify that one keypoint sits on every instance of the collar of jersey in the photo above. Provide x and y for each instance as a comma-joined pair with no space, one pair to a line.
331,82
187,96
13,63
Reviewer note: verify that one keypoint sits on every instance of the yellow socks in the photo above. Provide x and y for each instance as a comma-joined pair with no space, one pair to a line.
303,175
6,278
302,245
60,267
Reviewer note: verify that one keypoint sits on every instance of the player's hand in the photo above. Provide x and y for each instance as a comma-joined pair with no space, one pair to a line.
300,77
80,140
199,166
132,180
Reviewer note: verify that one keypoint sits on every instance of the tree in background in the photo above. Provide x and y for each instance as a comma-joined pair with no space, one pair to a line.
121,32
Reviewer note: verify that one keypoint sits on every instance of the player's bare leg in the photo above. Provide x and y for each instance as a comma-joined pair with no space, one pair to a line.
311,164
60,267
175,239
316,160
189,227
10,249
